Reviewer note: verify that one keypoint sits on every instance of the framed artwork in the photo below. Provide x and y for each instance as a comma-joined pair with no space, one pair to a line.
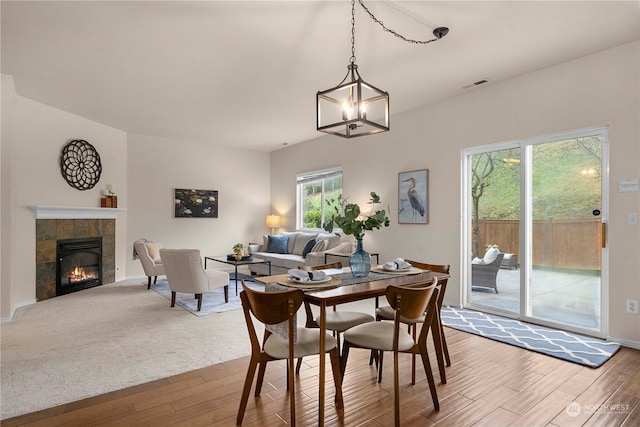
196,203
413,197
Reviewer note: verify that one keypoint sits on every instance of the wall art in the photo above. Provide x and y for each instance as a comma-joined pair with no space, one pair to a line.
196,203
413,197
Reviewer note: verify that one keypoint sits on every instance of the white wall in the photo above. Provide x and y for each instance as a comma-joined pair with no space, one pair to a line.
33,136
601,89
157,166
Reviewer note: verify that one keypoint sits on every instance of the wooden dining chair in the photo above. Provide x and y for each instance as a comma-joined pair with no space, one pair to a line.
439,341
335,321
408,302
274,308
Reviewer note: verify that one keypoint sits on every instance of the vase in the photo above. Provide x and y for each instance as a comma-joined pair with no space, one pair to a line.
360,261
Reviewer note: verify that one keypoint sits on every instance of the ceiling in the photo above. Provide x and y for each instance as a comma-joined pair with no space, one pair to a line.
245,73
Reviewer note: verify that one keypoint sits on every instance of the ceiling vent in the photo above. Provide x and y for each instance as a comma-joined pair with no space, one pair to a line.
478,83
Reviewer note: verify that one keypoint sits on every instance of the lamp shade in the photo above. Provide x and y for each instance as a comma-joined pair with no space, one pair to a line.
273,221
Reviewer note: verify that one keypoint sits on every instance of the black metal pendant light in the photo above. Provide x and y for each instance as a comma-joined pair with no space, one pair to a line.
354,107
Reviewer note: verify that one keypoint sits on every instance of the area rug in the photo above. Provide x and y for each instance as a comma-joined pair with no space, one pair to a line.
212,302
575,348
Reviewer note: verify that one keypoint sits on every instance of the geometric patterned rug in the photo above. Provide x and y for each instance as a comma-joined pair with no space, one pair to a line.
587,351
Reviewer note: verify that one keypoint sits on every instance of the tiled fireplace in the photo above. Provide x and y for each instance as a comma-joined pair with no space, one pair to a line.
50,231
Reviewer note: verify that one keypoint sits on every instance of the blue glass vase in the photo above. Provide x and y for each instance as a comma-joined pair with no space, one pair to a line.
360,261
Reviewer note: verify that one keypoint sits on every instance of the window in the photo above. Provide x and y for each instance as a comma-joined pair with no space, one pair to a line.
317,192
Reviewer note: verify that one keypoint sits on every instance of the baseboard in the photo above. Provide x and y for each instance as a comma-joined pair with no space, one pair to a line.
13,310
625,343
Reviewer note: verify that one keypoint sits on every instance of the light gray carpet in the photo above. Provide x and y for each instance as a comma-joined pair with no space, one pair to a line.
108,338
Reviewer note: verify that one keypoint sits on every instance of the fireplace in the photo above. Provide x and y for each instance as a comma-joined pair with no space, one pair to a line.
79,264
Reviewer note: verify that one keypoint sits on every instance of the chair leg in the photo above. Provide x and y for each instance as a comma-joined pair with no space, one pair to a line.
173,299
149,283
445,349
336,367
427,369
343,358
413,357
226,294
396,389
261,370
292,394
380,360
437,343
247,388
298,365
199,296
155,279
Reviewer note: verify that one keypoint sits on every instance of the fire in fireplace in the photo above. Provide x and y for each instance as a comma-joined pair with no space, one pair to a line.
79,264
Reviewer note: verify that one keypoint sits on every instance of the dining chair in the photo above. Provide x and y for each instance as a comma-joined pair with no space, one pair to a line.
335,321
407,302
274,308
439,341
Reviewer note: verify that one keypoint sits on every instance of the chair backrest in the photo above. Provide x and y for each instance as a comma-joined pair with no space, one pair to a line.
336,264
146,259
412,303
438,268
184,271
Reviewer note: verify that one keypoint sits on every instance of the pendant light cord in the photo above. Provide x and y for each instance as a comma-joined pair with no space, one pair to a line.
438,32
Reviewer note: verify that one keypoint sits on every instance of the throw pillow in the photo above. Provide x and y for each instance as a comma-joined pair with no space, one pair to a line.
491,255
154,250
277,244
307,248
301,243
321,245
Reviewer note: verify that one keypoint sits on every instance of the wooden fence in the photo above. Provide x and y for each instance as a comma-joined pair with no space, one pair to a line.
570,244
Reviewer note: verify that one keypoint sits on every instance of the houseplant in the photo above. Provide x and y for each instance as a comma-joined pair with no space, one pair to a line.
238,249
349,218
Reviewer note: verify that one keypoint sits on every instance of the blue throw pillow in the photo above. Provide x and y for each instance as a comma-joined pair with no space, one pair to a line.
277,244
307,248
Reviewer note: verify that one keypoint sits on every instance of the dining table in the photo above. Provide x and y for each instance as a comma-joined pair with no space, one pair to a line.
344,289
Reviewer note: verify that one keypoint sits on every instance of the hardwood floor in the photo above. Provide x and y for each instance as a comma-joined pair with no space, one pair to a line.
489,384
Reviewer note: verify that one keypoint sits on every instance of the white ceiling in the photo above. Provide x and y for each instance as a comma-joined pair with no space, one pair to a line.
245,73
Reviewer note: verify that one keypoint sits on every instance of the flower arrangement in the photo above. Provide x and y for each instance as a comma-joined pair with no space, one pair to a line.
349,218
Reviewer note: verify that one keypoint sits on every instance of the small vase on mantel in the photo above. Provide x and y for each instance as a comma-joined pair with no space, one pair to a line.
360,261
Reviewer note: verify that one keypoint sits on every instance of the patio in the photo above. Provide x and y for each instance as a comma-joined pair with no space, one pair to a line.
570,298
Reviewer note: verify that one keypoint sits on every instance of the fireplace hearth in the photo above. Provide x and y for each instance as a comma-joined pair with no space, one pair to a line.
79,264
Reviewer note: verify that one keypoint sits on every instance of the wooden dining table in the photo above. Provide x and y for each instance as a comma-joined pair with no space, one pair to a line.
370,287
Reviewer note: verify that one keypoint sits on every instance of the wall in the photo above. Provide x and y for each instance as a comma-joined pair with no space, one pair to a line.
33,136
600,89
157,166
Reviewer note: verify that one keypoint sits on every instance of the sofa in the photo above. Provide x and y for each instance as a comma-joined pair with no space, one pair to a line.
293,249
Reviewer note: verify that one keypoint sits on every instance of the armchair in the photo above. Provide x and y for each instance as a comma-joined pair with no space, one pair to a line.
149,255
185,273
485,275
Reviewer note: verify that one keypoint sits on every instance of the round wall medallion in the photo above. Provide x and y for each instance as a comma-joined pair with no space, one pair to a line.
80,164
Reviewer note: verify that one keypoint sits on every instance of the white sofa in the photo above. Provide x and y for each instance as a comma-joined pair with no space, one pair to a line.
297,241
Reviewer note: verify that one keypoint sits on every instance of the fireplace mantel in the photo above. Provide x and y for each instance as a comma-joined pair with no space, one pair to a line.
72,212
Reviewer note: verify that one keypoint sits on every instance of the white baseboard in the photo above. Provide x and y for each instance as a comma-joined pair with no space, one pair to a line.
13,310
626,343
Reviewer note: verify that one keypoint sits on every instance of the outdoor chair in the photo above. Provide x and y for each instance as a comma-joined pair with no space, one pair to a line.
485,275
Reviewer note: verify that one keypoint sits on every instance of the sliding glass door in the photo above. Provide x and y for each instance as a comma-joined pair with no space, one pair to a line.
538,206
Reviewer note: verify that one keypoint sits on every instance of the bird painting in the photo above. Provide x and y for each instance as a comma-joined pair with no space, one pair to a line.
416,200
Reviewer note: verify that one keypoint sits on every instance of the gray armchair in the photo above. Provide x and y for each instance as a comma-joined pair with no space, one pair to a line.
485,275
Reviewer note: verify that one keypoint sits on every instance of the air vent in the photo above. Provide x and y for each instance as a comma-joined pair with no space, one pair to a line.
478,83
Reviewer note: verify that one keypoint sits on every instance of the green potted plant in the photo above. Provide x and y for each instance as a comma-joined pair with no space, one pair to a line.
349,218
238,249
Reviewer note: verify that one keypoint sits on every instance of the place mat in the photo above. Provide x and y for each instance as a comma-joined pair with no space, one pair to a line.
306,286
412,270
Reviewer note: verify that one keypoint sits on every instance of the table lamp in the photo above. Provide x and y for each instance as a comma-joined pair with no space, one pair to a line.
273,222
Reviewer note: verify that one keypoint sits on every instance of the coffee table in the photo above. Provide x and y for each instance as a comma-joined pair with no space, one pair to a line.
235,263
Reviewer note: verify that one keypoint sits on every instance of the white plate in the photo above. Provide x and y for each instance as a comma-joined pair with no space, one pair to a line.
295,279
395,269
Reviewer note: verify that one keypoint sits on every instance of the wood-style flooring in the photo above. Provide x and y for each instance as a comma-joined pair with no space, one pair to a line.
488,384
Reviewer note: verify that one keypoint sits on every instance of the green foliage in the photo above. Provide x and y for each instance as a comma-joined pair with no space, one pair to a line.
348,217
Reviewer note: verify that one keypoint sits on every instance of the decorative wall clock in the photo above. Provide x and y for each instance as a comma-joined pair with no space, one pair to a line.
80,164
